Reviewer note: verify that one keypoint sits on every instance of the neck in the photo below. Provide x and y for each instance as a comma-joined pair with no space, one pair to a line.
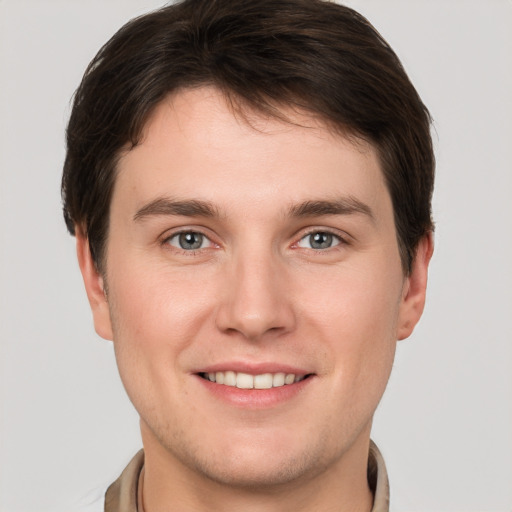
167,484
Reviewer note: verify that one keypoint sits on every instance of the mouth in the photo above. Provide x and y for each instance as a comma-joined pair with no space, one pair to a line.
242,380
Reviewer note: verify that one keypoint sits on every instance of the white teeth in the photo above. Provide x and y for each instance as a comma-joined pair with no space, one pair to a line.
263,381
244,381
289,379
247,381
229,378
278,380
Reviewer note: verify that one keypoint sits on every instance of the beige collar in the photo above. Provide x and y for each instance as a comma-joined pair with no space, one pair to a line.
123,494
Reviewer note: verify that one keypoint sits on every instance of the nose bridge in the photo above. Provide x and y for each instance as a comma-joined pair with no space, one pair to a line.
257,299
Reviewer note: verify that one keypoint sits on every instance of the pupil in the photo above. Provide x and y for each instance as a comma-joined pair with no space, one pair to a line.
191,240
321,240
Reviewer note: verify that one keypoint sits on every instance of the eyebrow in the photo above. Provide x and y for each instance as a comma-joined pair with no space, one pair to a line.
341,206
197,208
186,208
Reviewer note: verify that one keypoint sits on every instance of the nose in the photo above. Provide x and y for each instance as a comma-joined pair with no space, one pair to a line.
256,300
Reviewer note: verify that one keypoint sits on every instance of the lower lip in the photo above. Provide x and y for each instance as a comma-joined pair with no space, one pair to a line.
256,398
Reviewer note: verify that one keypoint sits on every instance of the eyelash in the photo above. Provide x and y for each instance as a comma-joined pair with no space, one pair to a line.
189,252
342,241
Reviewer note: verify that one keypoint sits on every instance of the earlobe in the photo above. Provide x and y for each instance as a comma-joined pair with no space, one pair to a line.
94,287
415,288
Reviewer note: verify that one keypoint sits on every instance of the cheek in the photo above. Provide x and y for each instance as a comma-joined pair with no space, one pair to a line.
355,312
156,316
358,303
155,303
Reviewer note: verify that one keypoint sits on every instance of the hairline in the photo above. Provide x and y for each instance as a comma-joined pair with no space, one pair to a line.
242,108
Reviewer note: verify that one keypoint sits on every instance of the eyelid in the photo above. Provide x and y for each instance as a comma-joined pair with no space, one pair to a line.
203,240
171,233
341,236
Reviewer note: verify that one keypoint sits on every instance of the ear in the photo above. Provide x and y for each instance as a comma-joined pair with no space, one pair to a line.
415,288
94,287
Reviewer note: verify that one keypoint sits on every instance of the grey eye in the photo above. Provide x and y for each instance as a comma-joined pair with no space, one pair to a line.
189,240
319,240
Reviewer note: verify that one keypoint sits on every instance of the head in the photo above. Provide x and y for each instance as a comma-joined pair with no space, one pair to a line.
310,55
250,182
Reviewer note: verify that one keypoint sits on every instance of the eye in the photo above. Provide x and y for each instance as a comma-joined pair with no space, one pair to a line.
319,240
189,241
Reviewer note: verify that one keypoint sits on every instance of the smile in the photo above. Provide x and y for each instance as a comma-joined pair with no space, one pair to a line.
246,381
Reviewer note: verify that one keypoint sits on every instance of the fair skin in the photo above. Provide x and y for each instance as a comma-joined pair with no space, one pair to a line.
262,248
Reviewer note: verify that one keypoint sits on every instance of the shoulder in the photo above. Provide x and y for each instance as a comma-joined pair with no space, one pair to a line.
120,493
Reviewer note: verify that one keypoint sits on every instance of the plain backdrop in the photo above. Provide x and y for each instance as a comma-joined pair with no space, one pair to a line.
445,423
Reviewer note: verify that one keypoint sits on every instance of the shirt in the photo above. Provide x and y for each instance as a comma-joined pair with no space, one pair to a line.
121,496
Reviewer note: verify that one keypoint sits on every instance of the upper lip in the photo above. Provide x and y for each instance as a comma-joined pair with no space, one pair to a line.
253,368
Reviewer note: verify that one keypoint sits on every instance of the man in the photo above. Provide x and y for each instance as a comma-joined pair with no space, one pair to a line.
250,185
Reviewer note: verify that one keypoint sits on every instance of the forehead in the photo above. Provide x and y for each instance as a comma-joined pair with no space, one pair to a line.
195,144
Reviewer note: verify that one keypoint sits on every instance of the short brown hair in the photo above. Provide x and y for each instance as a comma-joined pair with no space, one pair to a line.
315,55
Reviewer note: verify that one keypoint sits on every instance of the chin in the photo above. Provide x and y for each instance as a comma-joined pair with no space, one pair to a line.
255,460
260,471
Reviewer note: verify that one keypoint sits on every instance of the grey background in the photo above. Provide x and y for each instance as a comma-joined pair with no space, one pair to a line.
445,423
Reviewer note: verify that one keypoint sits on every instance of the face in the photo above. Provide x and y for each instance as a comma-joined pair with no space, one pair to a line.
255,290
